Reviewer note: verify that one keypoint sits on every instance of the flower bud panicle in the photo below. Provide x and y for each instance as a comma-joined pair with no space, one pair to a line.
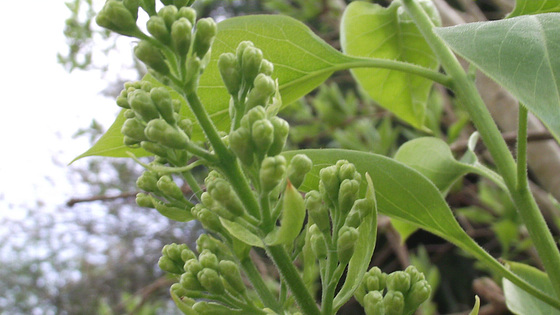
206,30
211,281
143,105
266,68
262,134
148,181
229,70
230,272
116,17
250,64
144,200
373,303
181,35
240,143
156,26
154,148
167,264
134,128
169,14
317,210
188,13
298,167
347,195
151,56
347,237
162,100
190,282
158,130
398,281
263,88
273,169
208,259
169,188
281,130
319,245
394,303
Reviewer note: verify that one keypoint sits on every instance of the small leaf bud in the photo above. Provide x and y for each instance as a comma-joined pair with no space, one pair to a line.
266,67
169,14
142,105
398,281
281,130
166,264
230,272
262,134
347,195
162,100
211,281
251,63
190,282
394,303
188,13
206,30
229,70
169,188
158,130
373,303
272,172
299,166
240,143
208,259
144,200
263,88
317,210
116,17
156,26
181,35
154,148
133,128
148,181
347,237
151,56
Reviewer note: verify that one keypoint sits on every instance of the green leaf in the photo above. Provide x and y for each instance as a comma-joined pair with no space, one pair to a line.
522,54
404,229
241,233
369,30
363,250
476,306
526,7
520,302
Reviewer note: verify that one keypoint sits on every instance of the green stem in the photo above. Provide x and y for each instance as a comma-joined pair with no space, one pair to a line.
291,275
468,95
193,184
522,147
260,287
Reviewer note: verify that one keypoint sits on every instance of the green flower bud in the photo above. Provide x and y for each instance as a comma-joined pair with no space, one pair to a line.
116,17
181,35
319,245
209,220
266,67
240,143
375,280
206,30
364,207
419,292
190,282
156,26
229,70
250,64
132,7
169,14
122,102
353,219
187,254
158,130
146,86
415,275
166,264
162,100
193,266
130,142
241,49
230,272
210,308
149,6
398,281
142,104
129,113
272,172
188,13
186,125
346,170
262,134
329,184
281,130
148,181
394,303
347,237
133,128
263,88
154,148
317,211
221,191
254,114
211,281
208,259
207,242
144,200
151,56
169,188
373,303
178,290
299,166
347,195
173,251
178,3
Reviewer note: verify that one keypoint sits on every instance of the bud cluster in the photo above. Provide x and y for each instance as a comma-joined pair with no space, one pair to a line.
399,293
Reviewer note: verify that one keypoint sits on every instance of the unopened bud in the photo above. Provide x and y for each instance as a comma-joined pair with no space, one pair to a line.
148,181
144,200
190,282
211,281
347,237
375,279
208,259
240,143
299,166
319,245
263,88
116,17
181,35
222,192
206,30
281,130
133,128
394,303
398,281
166,264
262,134
169,14
272,172
143,105
266,67
162,100
151,56
418,293
169,188
347,195
373,303
188,13
154,148
229,70
317,210
251,63
230,272
329,184
158,130
156,26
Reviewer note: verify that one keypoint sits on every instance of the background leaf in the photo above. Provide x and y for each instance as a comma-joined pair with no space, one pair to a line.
520,302
522,54
525,7
369,30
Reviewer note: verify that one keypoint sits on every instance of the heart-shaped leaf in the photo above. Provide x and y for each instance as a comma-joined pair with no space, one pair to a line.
522,54
369,30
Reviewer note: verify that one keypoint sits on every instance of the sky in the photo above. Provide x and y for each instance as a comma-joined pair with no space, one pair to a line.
43,106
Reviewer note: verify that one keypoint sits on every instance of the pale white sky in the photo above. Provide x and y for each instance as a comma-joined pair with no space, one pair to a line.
42,107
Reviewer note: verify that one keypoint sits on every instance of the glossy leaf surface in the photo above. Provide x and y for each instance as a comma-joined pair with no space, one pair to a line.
522,54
